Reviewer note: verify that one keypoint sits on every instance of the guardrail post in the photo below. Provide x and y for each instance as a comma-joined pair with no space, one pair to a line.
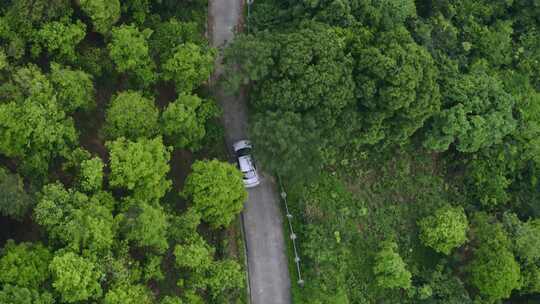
292,235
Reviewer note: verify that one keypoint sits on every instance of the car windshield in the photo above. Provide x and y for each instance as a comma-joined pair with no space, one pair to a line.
243,152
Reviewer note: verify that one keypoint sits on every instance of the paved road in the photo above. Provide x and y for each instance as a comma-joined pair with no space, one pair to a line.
267,263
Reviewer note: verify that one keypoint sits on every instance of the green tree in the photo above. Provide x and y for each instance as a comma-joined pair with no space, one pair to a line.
72,163
146,225
137,9
184,120
219,277
77,221
90,177
3,60
140,167
530,54
14,201
95,61
531,278
90,227
477,114
21,19
104,13
526,239
170,300
493,271
297,76
492,42
224,277
129,51
192,297
24,264
36,12
248,58
196,254
20,295
446,288
311,71
128,294
189,66
379,14
334,12
487,178
396,86
60,40
471,30
76,278
55,203
184,227
74,88
121,268
33,125
386,14
152,268
390,269
292,147
445,230
217,191
172,33
131,115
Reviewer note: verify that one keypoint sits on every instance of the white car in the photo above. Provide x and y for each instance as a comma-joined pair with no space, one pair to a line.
242,149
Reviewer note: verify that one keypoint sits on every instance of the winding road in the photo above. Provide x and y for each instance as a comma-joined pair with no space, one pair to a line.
267,263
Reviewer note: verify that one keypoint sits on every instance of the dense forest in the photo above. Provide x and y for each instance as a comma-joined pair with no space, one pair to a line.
407,134
114,184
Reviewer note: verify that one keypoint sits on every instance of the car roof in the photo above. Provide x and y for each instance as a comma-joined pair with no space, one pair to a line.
246,163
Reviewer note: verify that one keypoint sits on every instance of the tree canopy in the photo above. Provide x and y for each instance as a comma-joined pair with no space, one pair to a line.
390,269
76,220
196,254
216,190
122,117
414,104
445,230
189,66
130,53
103,13
405,134
478,113
140,166
60,40
131,294
21,295
184,120
14,200
494,269
91,174
396,86
75,278
172,33
33,125
146,225
24,264
75,88
312,72
103,105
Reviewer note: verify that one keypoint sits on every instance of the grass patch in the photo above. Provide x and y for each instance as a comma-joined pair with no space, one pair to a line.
341,221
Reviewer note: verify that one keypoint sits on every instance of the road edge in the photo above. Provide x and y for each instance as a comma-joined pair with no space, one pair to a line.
213,81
